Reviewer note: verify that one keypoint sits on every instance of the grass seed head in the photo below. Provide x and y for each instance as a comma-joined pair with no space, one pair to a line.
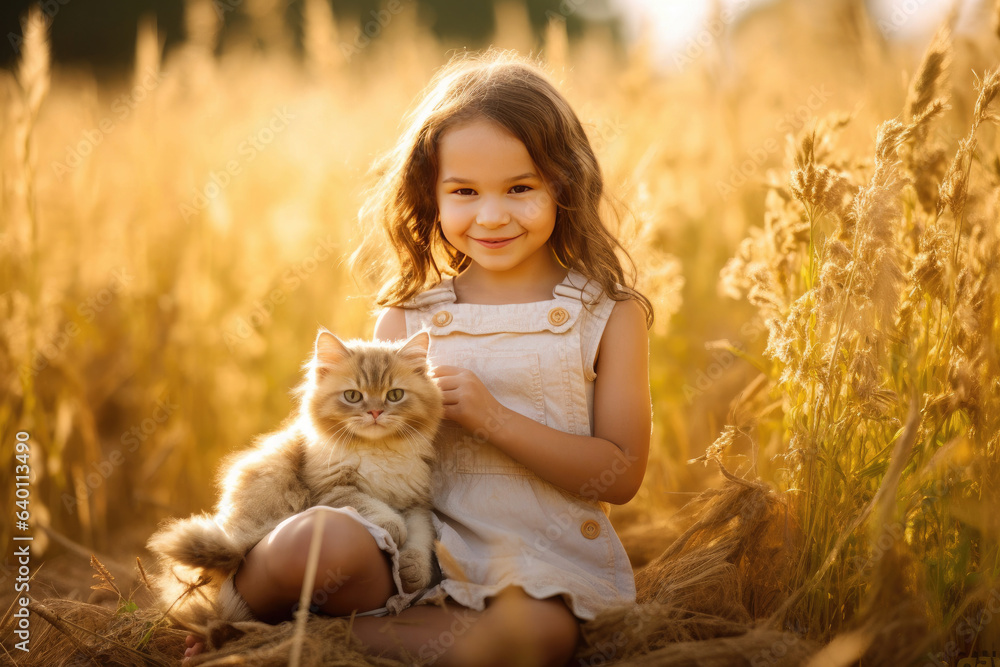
33,68
931,81
988,89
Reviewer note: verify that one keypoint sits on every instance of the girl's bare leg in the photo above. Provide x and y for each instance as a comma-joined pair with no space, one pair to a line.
353,573
514,629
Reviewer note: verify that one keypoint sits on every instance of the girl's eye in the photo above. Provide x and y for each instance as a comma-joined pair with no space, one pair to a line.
465,192
518,189
352,395
395,395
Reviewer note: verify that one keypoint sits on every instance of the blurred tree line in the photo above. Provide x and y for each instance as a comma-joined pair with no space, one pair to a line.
102,33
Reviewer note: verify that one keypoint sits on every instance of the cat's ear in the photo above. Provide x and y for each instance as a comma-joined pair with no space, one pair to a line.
414,350
329,351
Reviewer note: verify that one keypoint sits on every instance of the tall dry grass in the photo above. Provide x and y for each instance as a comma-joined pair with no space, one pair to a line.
172,239
878,284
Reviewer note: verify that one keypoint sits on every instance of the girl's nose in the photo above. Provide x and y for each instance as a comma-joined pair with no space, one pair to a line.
492,215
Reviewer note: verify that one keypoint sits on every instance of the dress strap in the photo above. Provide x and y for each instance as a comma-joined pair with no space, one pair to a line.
578,288
443,293
593,317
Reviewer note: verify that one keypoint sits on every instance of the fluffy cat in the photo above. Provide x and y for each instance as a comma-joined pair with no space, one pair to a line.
362,436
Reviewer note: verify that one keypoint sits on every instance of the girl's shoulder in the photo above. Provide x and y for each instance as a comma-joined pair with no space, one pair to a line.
391,324
627,314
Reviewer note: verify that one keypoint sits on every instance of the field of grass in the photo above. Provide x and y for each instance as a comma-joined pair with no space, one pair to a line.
812,204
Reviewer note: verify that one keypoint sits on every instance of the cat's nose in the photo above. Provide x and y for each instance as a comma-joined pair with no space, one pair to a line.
375,414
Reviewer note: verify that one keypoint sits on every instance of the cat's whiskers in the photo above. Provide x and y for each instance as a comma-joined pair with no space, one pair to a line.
412,436
334,436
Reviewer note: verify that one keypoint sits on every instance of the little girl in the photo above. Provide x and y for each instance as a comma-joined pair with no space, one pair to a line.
490,204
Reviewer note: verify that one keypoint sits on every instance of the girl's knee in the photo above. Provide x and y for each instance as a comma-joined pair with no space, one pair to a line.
524,630
347,550
352,572
556,631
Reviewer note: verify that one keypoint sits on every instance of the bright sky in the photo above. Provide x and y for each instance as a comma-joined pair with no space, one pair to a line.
672,21
675,22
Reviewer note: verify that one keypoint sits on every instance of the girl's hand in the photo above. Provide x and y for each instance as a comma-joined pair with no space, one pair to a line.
467,401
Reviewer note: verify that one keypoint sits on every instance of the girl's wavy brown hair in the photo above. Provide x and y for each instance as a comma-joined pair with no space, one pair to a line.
402,206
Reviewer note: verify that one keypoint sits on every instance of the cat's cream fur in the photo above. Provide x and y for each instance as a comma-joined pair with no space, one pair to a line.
331,452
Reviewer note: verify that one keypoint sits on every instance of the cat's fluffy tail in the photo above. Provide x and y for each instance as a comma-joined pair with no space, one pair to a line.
197,541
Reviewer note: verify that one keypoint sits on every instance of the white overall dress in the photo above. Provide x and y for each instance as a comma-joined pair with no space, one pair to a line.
500,523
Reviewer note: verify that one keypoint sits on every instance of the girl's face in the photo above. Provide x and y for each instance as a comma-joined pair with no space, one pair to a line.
493,204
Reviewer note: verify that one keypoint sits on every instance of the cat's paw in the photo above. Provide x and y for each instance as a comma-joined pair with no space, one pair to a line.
414,570
395,526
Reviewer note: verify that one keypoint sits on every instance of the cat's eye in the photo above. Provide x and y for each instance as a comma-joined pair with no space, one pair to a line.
352,395
395,395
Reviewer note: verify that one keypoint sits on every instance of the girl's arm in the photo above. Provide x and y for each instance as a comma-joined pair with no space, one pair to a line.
608,466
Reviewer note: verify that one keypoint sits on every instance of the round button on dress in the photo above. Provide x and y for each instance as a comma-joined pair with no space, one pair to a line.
558,315
442,318
590,529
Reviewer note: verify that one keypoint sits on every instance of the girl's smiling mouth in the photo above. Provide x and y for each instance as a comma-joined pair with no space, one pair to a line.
496,243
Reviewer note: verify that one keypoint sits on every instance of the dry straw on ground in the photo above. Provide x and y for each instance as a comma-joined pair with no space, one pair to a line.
725,573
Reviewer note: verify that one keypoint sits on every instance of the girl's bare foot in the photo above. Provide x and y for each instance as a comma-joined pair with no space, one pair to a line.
195,645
